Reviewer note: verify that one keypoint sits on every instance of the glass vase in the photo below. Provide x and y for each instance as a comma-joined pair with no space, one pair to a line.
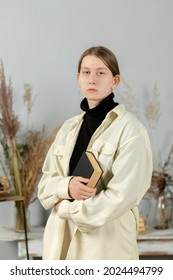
161,221
20,219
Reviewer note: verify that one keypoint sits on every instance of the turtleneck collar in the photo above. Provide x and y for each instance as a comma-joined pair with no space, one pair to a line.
101,109
92,120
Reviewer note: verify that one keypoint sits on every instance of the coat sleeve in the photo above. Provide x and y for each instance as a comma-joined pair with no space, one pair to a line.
132,170
53,185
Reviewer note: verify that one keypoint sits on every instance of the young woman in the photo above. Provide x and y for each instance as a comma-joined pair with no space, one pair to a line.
86,224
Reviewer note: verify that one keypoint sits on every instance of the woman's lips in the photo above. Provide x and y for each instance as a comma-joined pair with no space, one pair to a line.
92,90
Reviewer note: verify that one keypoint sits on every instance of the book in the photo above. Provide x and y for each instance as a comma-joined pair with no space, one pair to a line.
88,167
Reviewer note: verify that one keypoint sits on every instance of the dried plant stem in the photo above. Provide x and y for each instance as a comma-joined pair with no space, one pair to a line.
168,161
16,167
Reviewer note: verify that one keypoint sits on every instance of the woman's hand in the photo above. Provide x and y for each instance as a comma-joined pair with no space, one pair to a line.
78,189
56,206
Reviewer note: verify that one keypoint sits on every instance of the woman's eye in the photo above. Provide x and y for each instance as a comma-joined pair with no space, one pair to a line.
85,72
100,73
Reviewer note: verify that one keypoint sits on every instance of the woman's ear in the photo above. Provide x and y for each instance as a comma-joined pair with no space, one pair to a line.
77,76
116,80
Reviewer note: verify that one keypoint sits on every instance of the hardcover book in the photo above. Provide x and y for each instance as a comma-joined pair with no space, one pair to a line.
88,167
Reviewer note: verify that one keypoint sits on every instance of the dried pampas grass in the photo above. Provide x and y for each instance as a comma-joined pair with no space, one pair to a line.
162,178
21,155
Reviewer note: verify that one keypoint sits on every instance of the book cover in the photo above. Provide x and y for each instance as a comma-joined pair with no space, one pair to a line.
88,167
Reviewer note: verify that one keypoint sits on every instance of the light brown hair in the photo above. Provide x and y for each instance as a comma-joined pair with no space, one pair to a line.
106,55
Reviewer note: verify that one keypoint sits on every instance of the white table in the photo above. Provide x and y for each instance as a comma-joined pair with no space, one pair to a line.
35,240
153,243
156,243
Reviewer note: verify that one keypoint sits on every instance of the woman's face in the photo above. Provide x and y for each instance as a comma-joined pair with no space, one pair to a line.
95,80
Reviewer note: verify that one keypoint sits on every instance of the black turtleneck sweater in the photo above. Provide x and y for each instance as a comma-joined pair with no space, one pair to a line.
91,121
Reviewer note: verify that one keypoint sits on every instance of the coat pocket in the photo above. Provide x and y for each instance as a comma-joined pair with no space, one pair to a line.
59,151
60,158
104,152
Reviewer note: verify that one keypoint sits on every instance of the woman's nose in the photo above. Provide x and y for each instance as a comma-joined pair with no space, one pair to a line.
91,82
92,79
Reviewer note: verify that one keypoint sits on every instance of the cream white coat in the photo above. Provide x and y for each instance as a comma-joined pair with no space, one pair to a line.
105,226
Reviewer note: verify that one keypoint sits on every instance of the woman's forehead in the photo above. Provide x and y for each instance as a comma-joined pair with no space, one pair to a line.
90,61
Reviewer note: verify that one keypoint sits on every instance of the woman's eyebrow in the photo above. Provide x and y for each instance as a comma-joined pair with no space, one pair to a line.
99,68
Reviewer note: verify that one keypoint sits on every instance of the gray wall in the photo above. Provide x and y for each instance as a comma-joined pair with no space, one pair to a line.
41,41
